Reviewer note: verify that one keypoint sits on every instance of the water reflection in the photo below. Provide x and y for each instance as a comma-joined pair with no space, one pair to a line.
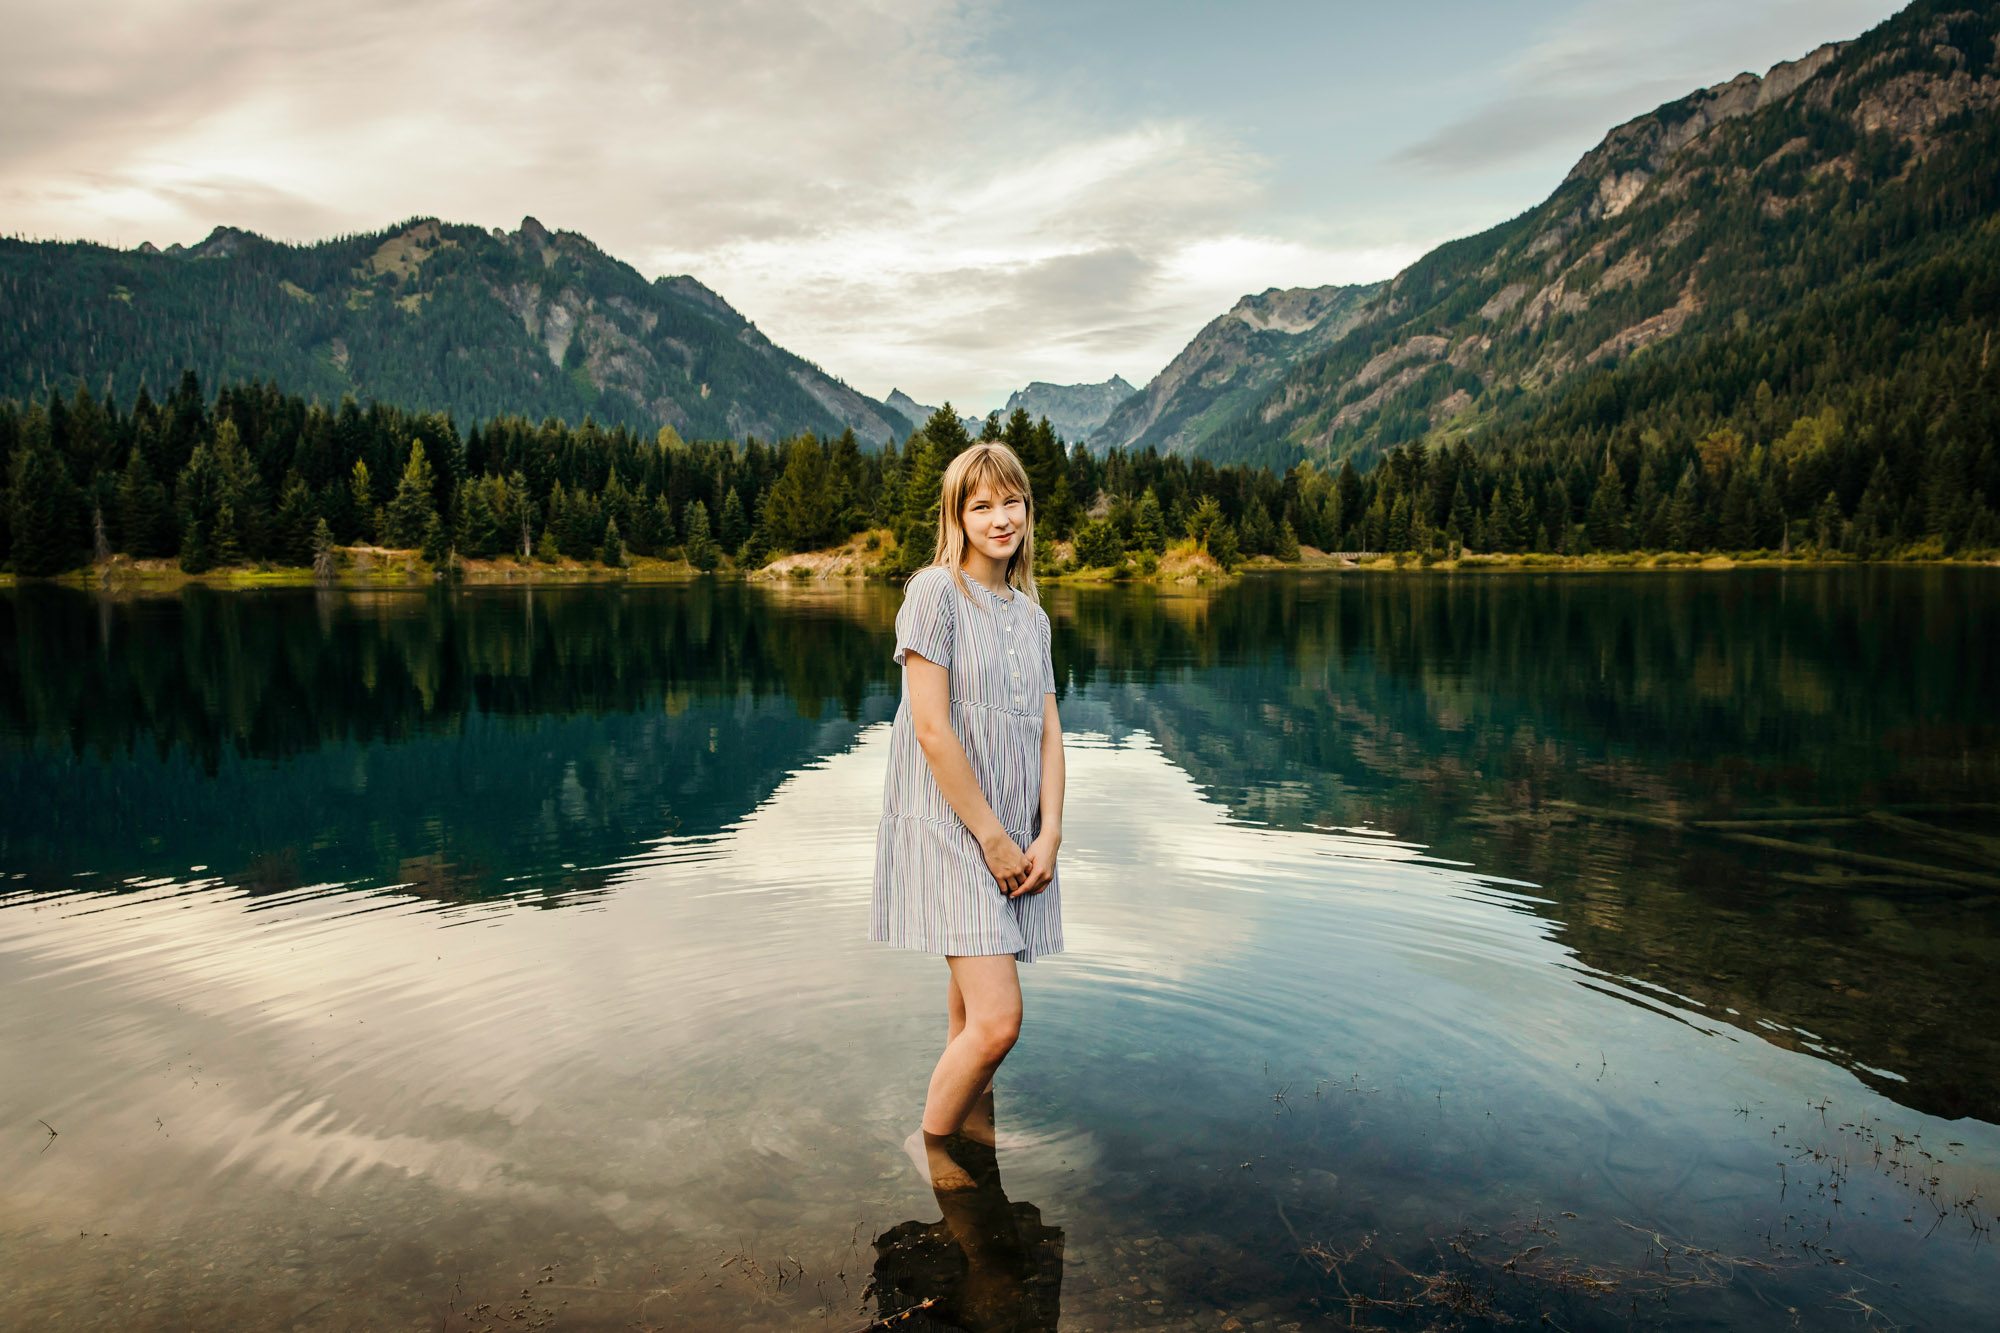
987,1265
1402,922
1611,740
461,747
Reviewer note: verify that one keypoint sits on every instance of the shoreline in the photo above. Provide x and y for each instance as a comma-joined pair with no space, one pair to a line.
380,569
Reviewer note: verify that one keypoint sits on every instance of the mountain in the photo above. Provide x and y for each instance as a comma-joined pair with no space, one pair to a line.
1230,364
1794,231
917,414
428,315
1075,410
908,408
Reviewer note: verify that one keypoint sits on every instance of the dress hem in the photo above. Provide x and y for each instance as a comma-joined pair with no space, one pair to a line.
1018,955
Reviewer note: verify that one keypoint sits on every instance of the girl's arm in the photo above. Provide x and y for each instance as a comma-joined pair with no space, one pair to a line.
930,711
1042,852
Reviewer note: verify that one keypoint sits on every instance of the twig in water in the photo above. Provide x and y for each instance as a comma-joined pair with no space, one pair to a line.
890,1321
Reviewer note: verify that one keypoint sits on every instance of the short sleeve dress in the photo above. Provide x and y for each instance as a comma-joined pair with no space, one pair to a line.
932,889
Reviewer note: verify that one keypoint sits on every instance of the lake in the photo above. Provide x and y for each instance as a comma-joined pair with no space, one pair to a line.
1443,951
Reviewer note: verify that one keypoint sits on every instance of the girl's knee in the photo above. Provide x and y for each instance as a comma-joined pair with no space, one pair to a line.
996,1036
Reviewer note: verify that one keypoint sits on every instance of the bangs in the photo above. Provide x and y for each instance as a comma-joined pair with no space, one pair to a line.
987,465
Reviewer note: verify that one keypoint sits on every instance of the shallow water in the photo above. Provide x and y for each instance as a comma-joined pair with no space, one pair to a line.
497,958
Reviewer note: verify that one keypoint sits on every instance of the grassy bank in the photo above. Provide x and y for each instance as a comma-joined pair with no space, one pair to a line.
1632,560
372,567
873,555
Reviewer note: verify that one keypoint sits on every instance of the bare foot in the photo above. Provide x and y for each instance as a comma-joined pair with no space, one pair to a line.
927,1153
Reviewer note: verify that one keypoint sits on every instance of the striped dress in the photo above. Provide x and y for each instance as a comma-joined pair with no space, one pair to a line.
932,888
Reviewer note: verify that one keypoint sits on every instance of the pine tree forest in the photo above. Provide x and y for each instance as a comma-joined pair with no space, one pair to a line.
1906,468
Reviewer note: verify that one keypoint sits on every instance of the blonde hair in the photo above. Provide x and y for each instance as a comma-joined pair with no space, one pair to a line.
985,464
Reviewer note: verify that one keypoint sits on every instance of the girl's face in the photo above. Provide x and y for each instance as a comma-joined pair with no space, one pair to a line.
994,522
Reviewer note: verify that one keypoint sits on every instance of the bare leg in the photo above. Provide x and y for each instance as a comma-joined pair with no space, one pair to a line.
954,1006
988,988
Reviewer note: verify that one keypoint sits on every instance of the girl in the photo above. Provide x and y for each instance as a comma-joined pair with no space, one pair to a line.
965,857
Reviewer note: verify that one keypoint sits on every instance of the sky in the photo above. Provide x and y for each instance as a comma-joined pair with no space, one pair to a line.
952,197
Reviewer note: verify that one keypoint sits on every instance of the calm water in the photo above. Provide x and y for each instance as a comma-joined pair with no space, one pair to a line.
1443,953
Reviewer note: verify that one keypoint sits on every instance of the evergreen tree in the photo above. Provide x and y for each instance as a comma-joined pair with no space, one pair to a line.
1223,546
756,550
847,478
145,525
1683,511
360,515
946,434
917,515
1287,547
478,526
617,502
1648,519
795,508
1205,522
195,557
41,499
522,518
1736,530
1098,545
1260,536
436,545
578,521
1149,525
699,546
1874,516
1767,511
1397,538
225,547
322,551
1605,523
411,510
293,540
1826,524
663,523
1463,514
732,527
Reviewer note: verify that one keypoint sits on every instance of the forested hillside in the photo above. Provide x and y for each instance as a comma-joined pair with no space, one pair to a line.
1231,364
426,316
260,476
1758,320
1757,253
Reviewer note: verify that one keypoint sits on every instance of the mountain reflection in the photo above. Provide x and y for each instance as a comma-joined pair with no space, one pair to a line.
456,746
1764,796
1577,733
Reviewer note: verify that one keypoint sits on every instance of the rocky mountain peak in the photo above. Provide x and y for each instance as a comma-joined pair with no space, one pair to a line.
1727,205
1633,153
1075,410
219,244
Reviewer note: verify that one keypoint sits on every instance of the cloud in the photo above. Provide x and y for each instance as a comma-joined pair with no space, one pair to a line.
870,180
852,174
1600,64
1525,124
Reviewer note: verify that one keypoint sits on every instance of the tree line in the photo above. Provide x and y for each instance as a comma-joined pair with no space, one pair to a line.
256,475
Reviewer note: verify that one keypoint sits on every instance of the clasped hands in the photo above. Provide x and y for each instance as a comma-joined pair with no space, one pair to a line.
1021,872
